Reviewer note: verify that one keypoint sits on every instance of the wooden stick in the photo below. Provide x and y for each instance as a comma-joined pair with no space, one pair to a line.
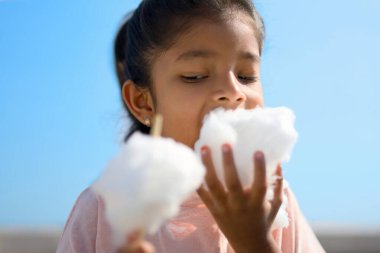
156,129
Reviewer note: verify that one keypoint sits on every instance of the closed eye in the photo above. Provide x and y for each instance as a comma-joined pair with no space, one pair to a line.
248,79
193,79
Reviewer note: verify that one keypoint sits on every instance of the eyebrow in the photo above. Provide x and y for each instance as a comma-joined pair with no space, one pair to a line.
250,56
188,55
195,54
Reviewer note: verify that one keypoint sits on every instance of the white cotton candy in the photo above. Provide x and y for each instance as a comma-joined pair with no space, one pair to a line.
269,130
146,183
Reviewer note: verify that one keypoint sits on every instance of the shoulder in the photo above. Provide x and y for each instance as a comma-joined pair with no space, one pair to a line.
291,199
84,225
85,209
298,236
291,202
88,201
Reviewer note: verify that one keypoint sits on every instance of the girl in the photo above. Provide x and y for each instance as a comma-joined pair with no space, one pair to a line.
183,58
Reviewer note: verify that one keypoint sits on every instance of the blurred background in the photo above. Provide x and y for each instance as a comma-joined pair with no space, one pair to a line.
61,118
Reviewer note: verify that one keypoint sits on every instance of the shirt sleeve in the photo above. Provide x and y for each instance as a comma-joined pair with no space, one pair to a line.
86,230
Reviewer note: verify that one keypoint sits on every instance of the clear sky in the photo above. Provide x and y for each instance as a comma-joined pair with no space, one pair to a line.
61,118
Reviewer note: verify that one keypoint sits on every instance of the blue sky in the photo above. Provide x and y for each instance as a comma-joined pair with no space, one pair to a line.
61,117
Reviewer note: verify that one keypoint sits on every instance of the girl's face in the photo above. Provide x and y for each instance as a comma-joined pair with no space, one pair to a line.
213,65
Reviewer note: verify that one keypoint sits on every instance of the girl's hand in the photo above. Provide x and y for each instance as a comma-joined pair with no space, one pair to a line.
243,215
135,244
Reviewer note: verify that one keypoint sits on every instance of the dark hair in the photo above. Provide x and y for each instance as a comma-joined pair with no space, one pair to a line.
155,25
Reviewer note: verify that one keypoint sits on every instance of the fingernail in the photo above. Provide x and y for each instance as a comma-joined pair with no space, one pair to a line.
226,148
259,155
204,151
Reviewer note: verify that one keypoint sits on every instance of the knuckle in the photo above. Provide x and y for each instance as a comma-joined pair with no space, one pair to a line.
228,163
256,203
280,198
239,206
261,188
212,185
234,186
216,211
277,203
201,193
208,163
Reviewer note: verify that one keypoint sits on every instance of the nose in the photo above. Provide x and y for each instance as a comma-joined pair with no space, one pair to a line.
229,91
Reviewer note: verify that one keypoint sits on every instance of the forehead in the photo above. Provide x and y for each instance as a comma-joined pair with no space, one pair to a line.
229,38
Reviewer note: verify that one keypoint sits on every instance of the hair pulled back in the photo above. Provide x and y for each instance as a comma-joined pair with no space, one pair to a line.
155,25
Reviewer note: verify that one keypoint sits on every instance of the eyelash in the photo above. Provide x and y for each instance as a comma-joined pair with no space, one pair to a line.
249,79
193,79
197,79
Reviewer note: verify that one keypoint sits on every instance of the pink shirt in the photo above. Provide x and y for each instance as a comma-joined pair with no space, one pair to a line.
192,231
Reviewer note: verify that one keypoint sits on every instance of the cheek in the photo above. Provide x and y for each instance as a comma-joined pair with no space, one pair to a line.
182,117
254,97
182,127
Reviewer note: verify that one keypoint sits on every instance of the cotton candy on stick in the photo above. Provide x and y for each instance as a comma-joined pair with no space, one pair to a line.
269,130
146,183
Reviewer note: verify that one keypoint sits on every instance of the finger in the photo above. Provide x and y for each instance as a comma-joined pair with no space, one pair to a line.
135,236
230,172
259,186
138,247
134,239
214,185
146,247
208,200
135,244
276,202
205,196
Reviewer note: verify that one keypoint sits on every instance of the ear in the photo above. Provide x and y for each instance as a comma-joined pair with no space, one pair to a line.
139,101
